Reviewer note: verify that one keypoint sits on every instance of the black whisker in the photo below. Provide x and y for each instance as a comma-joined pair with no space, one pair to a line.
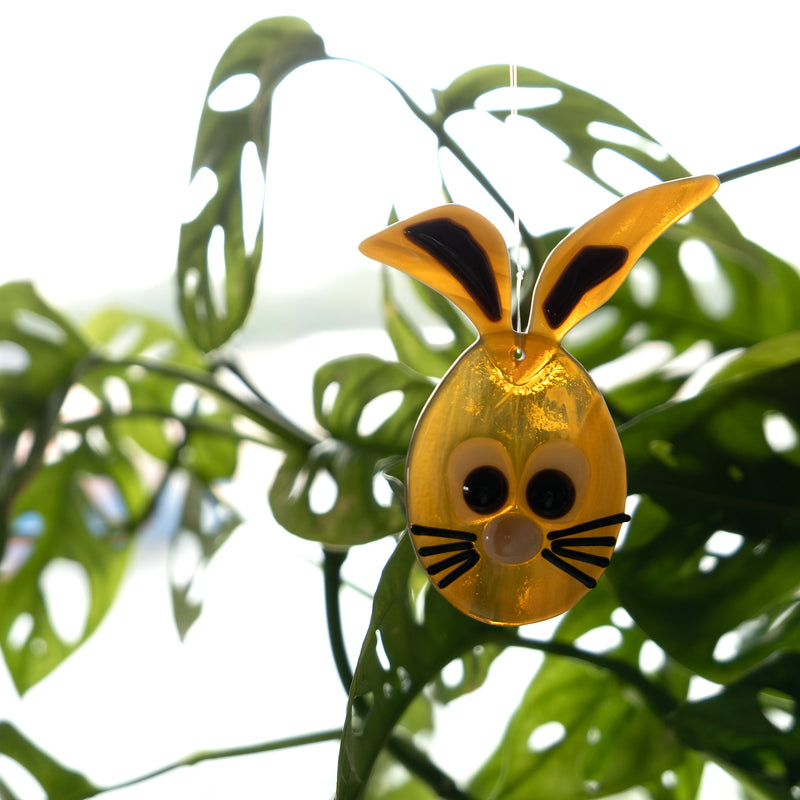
587,541
592,524
452,547
577,555
573,572
466,561
442,533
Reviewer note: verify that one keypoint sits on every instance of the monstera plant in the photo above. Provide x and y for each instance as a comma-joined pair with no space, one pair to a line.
707,577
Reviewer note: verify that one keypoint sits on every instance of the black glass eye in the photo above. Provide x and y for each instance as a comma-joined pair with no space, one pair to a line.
550,493
485,490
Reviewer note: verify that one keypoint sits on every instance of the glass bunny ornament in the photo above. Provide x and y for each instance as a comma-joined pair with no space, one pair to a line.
515,476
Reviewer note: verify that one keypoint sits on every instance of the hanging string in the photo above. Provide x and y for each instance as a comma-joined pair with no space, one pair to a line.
512,81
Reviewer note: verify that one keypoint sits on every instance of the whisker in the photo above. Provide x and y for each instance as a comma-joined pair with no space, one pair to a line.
465,561
452,547
588,541
592,524
577,555
573,572
442,533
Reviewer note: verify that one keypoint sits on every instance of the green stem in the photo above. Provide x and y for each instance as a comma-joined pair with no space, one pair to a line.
233,752
413,759
263,414
436,126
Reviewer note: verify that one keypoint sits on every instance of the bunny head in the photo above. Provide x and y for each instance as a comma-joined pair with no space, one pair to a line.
515,476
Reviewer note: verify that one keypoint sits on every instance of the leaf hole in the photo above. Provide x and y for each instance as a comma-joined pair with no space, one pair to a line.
65,588
377,411
670,779
185,400
405,679
328,400
234,93
599,640
622,619
185,557
96,440
217,269
779,709
702,689
252,183
382,491
323,492
707,564
594,736
615,134
546,736
652,658
20,631
19,781
380,652
591,787
644,282
14,358
621,172
360,711
126,340
117,394
710,287
724,544
39,327
519,97
453,674
204,185
780,432
191,283
105,497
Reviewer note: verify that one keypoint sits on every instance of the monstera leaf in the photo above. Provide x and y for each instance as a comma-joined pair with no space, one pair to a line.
709,565
267,52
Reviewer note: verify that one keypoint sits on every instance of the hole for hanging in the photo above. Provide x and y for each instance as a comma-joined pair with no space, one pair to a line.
377,411
65,588
546,736
709,285
234,93
14,358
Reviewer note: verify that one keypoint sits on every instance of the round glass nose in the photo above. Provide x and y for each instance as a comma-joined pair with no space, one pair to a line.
512,539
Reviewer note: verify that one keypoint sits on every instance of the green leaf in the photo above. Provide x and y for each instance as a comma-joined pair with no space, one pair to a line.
408,643
412,347
713,547
205,525
268,50
78,511
40,349
55,779
752,726
576,733
330,492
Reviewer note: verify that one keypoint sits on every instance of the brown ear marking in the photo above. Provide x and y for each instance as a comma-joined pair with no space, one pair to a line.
454,247
589,268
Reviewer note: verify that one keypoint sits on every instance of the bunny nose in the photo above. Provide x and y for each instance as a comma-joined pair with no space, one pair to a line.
512,539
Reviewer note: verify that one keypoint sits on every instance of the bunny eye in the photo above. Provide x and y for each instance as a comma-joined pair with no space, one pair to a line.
485,490
550,493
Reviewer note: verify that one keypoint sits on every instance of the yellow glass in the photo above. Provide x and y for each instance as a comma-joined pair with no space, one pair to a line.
515,478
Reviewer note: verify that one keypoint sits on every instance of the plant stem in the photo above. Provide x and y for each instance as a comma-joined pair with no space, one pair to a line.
233,752
411,757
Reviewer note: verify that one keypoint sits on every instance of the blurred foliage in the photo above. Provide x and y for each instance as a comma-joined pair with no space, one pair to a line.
124,423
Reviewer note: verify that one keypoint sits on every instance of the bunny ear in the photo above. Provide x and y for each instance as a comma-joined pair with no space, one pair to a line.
458,253
590,264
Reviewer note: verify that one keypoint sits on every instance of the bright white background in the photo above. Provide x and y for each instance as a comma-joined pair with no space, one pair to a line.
100,103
